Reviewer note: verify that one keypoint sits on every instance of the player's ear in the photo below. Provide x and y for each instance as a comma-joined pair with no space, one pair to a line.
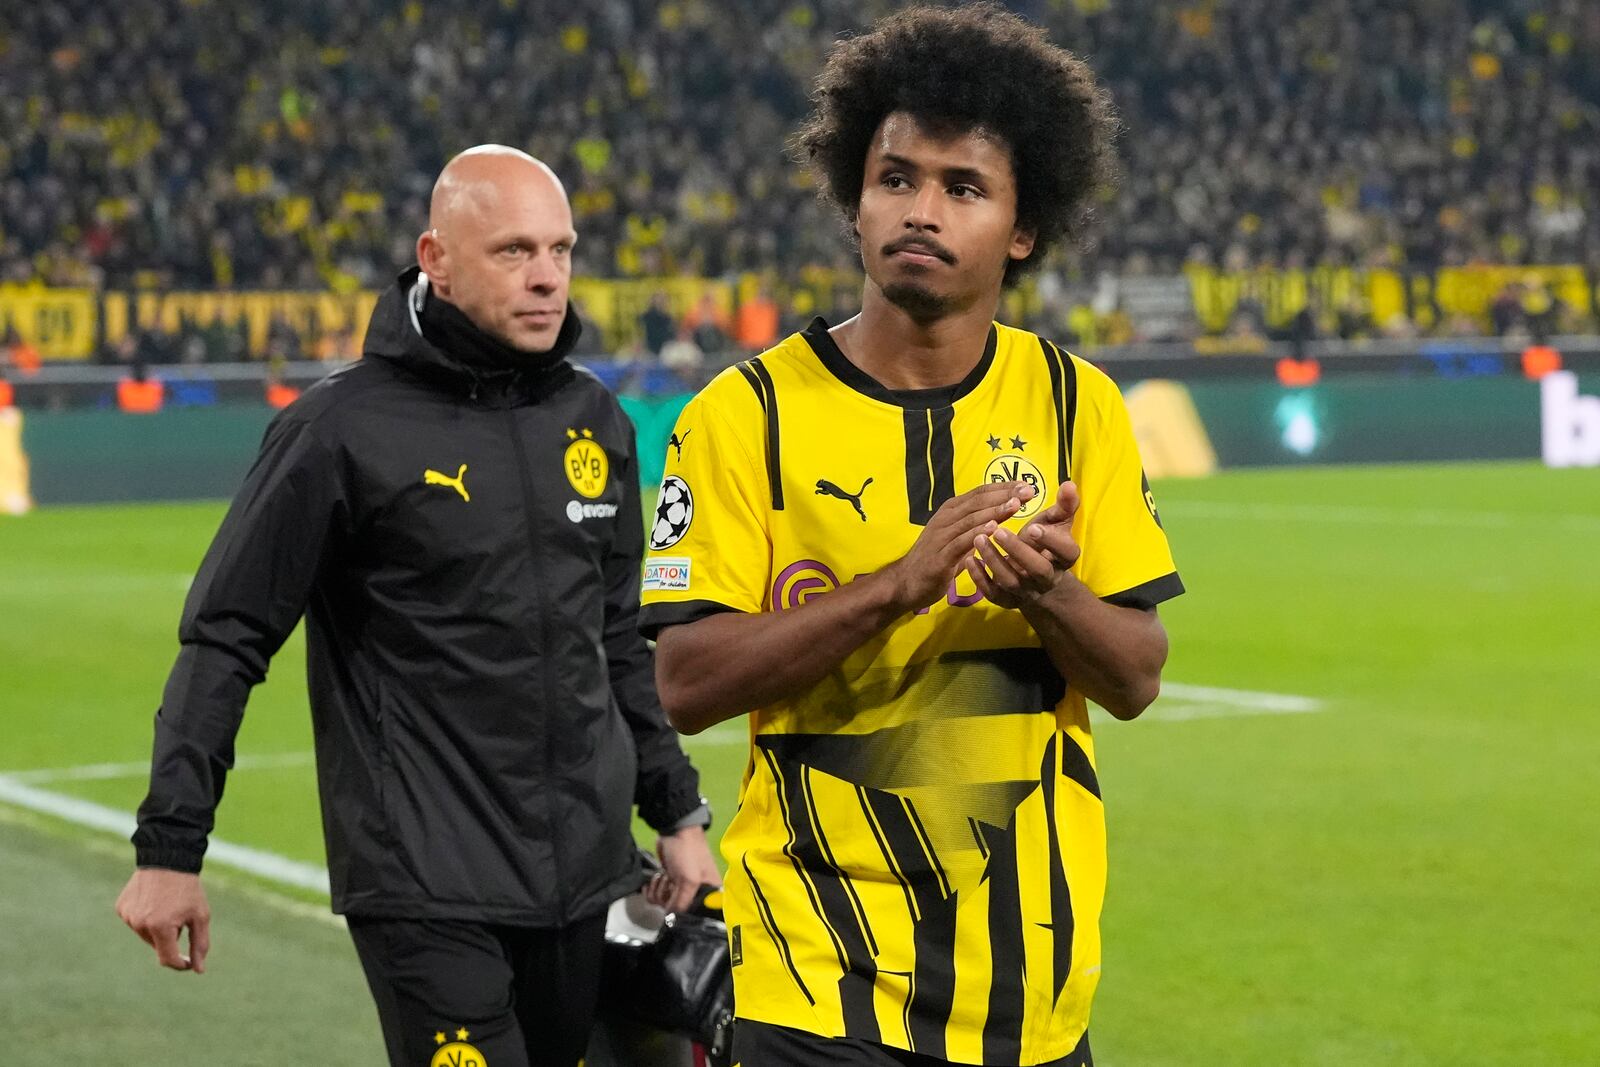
1021,243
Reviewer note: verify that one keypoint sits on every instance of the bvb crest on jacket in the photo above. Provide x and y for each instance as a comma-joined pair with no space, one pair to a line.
585,462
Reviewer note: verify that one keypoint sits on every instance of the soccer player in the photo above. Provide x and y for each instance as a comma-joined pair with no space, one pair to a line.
457,517
912,546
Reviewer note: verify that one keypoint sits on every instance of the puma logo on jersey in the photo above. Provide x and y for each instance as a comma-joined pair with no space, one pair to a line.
677,442
433,477
827,488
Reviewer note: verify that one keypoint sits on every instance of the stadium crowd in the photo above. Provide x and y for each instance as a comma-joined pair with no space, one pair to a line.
200,143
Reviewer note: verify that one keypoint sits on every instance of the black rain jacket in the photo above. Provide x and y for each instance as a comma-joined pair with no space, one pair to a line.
465,548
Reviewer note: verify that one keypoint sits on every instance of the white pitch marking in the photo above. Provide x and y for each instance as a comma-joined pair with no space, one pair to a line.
16,788
268,865
1356,513
99,772
1214,702
1279,703
717,738
53,582
1181,711
271,898
105,772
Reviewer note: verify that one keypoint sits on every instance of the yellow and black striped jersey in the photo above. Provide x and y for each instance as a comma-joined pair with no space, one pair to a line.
918,857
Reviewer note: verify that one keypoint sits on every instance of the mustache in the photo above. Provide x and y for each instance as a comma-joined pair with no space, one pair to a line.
916,243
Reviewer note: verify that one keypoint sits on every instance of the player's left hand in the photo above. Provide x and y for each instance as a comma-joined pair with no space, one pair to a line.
1011,569
686,865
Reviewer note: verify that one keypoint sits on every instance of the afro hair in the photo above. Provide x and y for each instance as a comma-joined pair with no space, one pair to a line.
977,67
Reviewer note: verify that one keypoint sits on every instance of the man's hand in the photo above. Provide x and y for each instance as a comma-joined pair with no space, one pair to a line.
1012,570
158,904
923,575
686,865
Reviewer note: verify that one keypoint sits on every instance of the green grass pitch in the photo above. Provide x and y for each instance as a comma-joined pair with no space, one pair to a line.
1384,850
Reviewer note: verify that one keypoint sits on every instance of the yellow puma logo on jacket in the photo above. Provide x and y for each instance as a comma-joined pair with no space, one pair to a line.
433,477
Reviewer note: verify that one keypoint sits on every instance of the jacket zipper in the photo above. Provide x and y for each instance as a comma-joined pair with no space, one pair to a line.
530,516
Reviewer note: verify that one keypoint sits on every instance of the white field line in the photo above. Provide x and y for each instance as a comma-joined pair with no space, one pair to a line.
18,789
1185,711
1178,703
103,772
53,582
268,865
1240,701
715,738
1365,514
1185,703
215,876
95,772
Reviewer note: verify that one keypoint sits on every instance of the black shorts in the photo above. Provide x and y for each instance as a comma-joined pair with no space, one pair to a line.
480,993
764,1045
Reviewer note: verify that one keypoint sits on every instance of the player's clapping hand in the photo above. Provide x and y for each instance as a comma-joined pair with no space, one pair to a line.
923,575
1012,569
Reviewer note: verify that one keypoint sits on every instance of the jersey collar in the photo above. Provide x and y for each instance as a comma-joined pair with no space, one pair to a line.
822,343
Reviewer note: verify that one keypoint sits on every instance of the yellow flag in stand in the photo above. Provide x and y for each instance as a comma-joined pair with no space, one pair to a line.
14,496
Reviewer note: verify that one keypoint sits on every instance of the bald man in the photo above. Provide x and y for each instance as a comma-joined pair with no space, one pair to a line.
457,518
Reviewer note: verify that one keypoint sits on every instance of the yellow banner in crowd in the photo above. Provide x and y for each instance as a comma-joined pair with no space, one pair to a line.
60,323
1280,294
614,306
1469,290
73,323
1380,295
312,315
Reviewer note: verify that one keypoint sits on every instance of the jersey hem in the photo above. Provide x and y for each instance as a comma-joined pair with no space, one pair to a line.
1064,1054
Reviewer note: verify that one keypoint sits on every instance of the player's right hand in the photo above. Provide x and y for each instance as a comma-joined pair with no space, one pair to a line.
158,904
923,575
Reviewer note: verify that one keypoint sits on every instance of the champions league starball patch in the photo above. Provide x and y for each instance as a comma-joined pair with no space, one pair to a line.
674,513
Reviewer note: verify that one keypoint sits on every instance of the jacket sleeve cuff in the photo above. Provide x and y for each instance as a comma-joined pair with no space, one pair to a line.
664,814
172,859
700,817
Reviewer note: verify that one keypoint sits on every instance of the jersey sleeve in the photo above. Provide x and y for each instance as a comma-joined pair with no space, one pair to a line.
707,544
1126,559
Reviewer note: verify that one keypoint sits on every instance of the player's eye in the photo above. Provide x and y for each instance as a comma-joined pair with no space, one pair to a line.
515,248
965,192
895,181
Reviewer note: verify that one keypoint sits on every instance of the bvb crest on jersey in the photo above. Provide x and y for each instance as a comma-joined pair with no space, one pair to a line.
1015,468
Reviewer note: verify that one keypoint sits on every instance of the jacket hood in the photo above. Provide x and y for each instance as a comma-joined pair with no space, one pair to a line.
395,334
